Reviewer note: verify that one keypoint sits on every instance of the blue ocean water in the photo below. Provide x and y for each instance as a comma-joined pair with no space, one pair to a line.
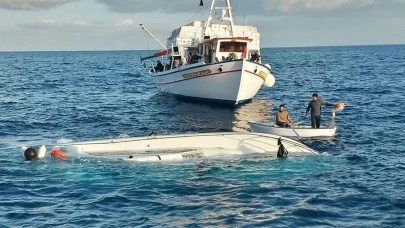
51,96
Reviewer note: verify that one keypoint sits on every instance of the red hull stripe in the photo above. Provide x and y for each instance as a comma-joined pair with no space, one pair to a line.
258,75
231,38
180,80
231,71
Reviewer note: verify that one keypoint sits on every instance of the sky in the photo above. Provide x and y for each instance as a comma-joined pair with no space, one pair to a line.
46,25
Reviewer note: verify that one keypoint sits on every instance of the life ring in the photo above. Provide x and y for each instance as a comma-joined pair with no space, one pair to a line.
58,154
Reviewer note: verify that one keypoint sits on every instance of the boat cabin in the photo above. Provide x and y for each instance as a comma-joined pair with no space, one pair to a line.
225,49
209,51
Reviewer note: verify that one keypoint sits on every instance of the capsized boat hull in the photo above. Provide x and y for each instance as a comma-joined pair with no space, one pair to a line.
303,131
183,147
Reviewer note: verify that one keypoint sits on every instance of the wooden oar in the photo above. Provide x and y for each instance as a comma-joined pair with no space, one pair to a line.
299,137
292,127
298,123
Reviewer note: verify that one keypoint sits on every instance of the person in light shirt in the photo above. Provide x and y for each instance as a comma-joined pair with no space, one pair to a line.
283,119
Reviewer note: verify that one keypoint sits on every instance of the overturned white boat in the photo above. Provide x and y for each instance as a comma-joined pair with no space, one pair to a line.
300,131
188,146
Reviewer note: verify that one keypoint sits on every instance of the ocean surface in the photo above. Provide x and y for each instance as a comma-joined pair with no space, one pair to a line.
51,97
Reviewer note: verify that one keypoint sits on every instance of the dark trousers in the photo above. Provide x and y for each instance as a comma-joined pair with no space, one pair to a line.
283,124
315,121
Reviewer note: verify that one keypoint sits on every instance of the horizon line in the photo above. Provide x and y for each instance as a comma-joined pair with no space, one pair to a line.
106,50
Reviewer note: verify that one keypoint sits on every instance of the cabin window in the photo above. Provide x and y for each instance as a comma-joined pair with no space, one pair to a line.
230,46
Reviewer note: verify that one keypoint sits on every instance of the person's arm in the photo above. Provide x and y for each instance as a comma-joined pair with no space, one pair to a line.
289,119
326,103
308,108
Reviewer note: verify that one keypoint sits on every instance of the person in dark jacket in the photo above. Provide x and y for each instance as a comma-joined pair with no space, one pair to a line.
195,58
315,107
159,67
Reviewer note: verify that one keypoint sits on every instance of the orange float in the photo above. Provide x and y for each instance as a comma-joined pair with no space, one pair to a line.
339,106
58,154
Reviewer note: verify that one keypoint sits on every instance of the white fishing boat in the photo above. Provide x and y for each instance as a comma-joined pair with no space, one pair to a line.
214,60
300,131
188,146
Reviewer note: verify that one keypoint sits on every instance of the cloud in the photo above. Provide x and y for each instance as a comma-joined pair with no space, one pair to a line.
52,25
5,27
244,7
288,6
124,23
131,6
240,7
32,5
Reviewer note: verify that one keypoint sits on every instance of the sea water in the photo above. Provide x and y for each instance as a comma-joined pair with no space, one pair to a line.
57,97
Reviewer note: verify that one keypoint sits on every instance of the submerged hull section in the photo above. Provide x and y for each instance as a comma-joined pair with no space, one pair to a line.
228,82
182,147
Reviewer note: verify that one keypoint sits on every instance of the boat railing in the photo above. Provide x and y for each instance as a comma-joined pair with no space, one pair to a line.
151,65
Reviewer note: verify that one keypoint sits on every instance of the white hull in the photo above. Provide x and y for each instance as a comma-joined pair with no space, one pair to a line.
227,82
303,131
182,147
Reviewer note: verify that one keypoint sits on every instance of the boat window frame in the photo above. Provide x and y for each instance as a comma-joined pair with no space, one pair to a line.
239,48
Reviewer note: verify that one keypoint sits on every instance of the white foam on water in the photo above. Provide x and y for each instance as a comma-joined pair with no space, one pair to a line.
122,136
64,140
325,154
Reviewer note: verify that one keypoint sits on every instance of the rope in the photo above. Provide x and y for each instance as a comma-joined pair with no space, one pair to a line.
203,8
147,43
158,34
241,16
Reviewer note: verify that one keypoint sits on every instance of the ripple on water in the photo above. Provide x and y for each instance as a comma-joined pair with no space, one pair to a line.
55,97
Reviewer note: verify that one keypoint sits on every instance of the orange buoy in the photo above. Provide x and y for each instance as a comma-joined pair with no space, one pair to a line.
339,106
58,153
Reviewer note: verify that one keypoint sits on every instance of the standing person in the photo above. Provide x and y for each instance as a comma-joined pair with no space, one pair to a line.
315,107
190,57
159,67
195,58
282,117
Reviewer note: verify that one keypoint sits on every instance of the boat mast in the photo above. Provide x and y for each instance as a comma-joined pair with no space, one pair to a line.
150,34
207,23
225,10
230,18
